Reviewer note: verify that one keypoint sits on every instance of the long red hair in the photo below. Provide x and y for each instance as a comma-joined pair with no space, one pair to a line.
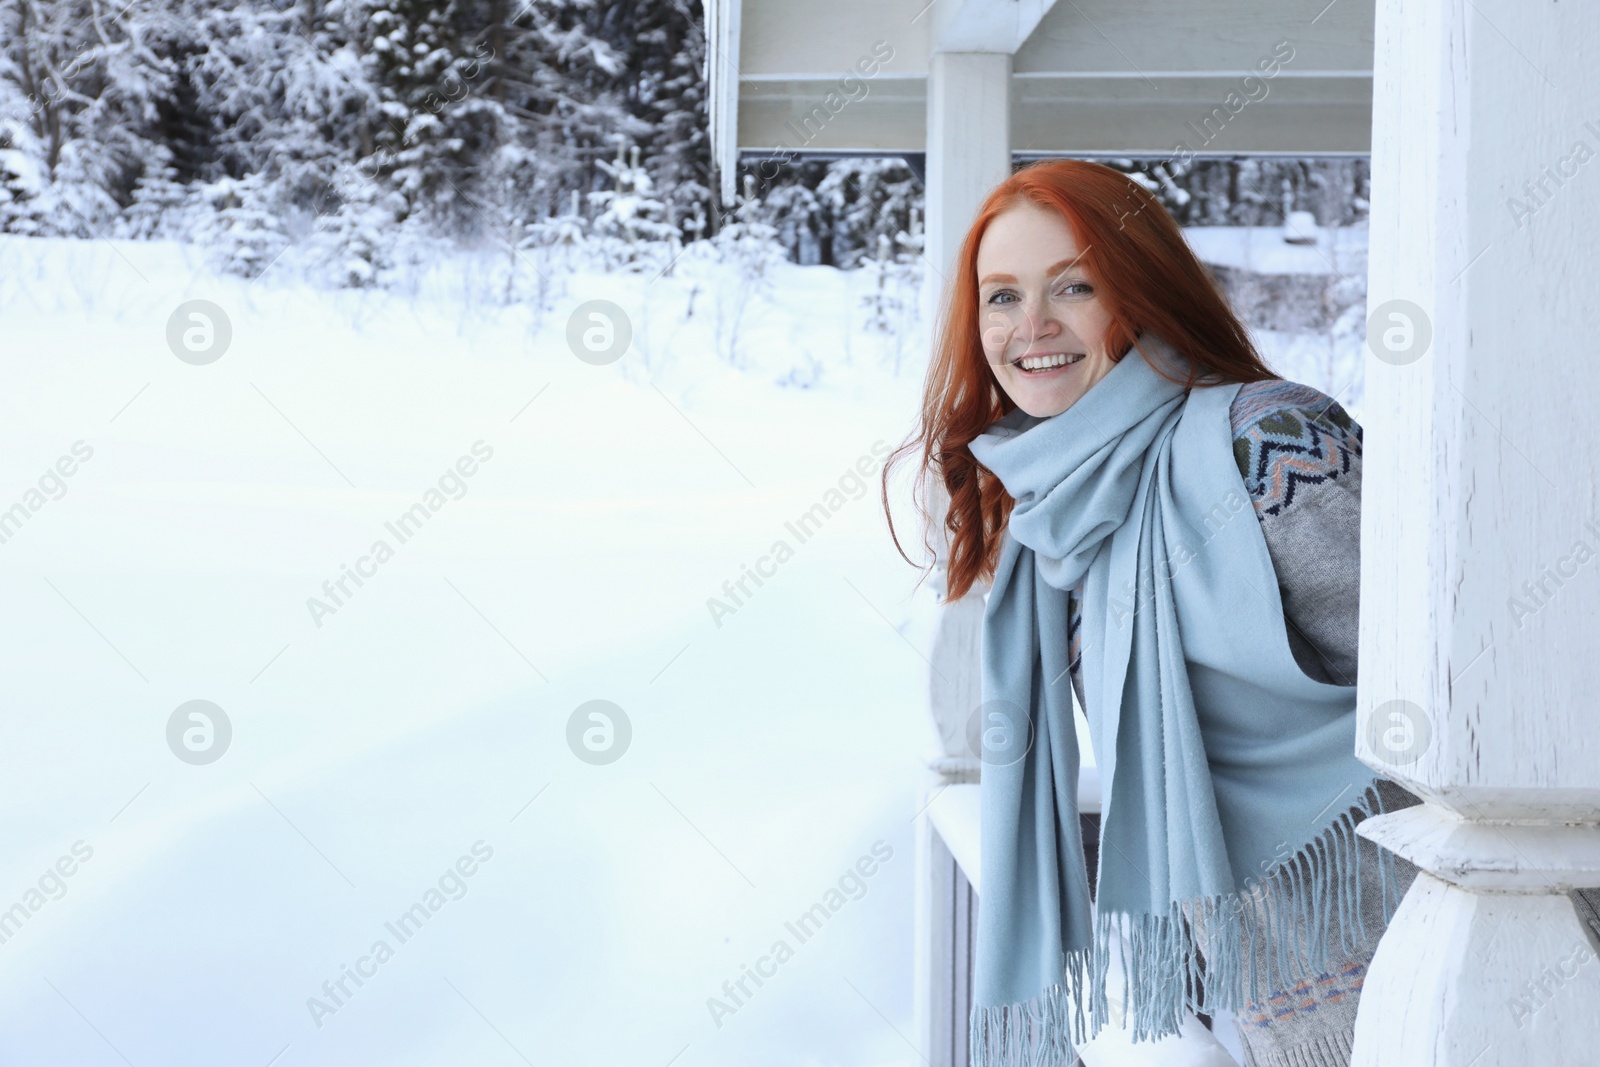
1147,277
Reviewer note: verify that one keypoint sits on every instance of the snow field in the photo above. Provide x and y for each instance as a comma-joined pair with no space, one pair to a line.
430,711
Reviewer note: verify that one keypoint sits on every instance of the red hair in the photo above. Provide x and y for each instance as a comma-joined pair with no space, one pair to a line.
1146,276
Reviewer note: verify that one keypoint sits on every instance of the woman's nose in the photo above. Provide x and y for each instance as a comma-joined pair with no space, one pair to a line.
1039,322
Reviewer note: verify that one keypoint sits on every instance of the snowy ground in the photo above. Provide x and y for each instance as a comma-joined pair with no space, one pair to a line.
423,722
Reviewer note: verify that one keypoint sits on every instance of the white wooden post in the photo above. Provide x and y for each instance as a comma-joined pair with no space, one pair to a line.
968,153
1480,535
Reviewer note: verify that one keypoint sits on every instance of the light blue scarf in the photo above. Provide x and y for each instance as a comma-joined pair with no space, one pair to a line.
1223,766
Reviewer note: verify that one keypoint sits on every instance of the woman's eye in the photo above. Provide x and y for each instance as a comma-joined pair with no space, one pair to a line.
1069,289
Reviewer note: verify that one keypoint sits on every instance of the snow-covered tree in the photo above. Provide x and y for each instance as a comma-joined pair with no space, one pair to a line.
81,89
352,246
244,231
1254,191
427,128
750,246
798,216
28,201
865,198
546,253
895,274
629,220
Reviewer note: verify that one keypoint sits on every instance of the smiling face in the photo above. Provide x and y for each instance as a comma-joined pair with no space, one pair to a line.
1043,324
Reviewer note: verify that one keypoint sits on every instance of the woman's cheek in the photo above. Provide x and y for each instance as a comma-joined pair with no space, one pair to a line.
995,339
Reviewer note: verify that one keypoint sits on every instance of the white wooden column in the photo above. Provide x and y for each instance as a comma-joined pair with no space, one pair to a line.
968,153
1480,539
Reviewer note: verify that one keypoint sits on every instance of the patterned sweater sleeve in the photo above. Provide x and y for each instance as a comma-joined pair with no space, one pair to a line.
1299,454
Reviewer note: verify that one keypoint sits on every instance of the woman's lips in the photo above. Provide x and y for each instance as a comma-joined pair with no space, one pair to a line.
1073,359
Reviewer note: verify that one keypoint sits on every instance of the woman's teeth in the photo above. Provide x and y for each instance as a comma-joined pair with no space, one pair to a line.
1035,364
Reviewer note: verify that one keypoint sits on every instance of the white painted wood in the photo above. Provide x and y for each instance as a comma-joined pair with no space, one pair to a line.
955,689
1110,112
1480,482
1149,37
955,813
1139,38
1488,979
985,25
969,152
930,905
723,21
1477,483
1197,115
1126,88
1534,858
944,974
968,120
887,114
1093,76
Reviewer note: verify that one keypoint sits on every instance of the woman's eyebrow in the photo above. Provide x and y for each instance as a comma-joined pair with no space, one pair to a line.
1054,269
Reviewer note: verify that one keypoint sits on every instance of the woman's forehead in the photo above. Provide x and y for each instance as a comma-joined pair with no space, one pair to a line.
1025,238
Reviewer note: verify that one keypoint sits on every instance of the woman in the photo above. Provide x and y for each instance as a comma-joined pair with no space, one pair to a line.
1100,423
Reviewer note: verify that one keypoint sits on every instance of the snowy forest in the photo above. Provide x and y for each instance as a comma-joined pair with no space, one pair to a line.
366,131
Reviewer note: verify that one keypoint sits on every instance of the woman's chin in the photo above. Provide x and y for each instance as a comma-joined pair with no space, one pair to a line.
1044,403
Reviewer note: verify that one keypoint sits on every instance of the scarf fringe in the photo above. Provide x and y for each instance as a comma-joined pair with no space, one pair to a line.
1165,978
